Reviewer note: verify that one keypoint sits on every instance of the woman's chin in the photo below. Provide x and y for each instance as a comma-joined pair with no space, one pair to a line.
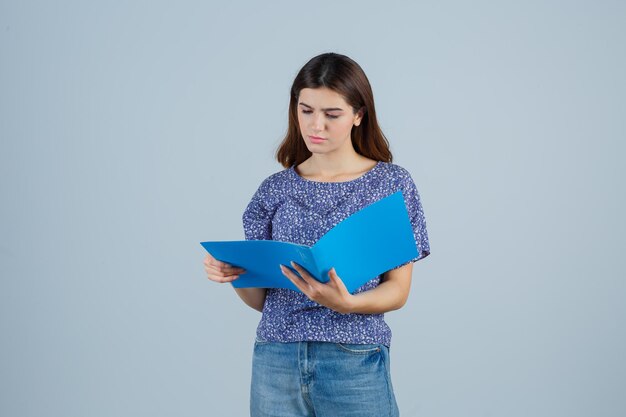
317,151
312,148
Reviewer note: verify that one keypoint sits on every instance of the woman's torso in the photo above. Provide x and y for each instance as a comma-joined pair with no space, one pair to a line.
288,207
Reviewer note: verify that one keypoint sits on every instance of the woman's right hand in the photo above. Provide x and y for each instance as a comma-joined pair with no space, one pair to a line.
219,271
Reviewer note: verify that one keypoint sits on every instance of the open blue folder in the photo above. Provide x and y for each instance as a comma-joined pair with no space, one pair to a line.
371,241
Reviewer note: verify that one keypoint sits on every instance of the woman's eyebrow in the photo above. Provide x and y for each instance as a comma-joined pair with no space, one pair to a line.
327,109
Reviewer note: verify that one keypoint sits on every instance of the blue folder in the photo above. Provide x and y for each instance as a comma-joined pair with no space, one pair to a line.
371,241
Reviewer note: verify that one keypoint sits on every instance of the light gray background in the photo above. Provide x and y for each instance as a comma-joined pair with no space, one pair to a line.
130,132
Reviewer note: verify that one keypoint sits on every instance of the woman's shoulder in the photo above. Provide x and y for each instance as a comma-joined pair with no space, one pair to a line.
269,191
275,181
277,177
395,171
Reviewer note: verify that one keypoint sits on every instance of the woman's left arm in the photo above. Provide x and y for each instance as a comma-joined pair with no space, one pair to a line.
390,294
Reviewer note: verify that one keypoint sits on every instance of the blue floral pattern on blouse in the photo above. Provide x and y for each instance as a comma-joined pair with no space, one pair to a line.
291,208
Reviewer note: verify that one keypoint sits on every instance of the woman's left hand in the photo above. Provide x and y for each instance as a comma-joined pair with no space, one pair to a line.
332,294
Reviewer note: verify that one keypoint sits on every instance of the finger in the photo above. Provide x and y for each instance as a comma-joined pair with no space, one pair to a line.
289,273
304,274
222,280
217,268
314,288
230,269
225,268
332,274
216,263
224,273
335,279
210,260
301,285
213,269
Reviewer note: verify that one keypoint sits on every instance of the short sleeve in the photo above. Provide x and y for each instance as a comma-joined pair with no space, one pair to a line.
257,219
417,218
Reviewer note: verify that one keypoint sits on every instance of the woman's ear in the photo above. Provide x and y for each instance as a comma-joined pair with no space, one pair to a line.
359,116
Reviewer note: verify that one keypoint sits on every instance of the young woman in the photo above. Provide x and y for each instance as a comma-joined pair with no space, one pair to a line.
324,351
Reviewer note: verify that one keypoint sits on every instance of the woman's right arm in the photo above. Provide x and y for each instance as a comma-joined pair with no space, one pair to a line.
254,297
219,271
257,225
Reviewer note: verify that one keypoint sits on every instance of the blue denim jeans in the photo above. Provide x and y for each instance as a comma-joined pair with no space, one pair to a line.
321,379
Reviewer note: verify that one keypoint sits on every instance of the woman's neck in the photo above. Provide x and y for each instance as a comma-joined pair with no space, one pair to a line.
322,168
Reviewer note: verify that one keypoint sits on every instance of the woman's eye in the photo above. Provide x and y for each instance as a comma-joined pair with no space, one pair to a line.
328,115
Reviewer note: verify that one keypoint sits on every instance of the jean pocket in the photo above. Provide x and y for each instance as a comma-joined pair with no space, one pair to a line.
358,348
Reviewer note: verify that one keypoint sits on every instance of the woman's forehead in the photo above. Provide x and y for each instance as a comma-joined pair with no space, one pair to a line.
322,97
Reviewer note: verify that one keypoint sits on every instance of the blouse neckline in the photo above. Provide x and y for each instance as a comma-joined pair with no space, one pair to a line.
366,174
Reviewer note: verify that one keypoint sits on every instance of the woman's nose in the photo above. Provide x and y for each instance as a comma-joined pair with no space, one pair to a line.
317,122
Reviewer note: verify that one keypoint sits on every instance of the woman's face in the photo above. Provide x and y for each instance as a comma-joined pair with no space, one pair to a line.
324,113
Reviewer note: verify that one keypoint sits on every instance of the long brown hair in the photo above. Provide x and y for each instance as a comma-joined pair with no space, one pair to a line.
344,76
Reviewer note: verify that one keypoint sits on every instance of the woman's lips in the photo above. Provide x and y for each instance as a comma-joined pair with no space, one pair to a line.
316,139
